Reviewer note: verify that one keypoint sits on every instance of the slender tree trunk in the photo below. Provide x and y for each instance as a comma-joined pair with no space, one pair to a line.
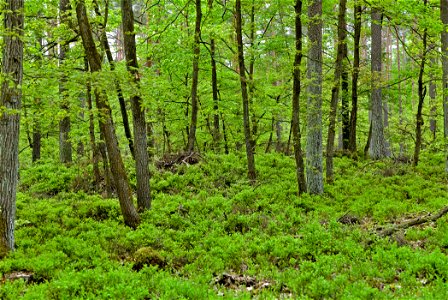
131,217
355,75
195,79
251,73
335,89
421,98
400,100
93,145
10,100
444,41
121,101
378,142
432,98
295,122
215,92
242,71
138,111
65,145
224,135
314,168
37,135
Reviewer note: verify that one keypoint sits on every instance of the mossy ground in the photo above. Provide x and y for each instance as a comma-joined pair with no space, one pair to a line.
206,221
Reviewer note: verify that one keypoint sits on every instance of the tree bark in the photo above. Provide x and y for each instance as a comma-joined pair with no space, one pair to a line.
421,98
65,145
378,143
243,80
93,145
138,111
295,122
215,92
335,89
354,111
444,41
314,169
10,100
131,217
195,78
432,98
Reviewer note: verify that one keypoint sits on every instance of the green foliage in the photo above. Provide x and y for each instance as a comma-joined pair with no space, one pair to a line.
207,220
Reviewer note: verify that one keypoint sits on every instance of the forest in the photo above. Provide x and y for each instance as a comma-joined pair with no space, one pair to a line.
224,149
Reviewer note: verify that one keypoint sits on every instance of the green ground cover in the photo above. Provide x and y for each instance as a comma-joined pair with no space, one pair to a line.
211,235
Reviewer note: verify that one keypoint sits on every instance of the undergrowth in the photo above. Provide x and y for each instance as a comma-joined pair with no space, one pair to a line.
206,221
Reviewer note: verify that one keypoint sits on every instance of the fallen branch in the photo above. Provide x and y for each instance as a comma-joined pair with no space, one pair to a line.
417,221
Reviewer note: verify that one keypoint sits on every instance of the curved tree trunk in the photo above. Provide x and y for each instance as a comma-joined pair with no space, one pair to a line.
131,217
10,99
314,168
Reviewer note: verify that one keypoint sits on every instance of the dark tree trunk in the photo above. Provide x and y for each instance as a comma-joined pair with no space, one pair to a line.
195,78
421,98
295,123
242,71
65,146
224,134
131,217
251,82
335,89
378,143
354,111
93,145
314,168
444,41
37,135
10,100
432,97
216,131
121,101
138,111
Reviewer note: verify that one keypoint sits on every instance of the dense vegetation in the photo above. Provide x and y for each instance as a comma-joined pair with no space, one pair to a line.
130,120
210,234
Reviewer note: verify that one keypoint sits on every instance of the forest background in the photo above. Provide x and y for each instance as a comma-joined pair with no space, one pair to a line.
340,108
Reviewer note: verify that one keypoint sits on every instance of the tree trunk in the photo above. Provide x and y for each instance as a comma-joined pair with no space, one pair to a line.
378,143
354,110
37,135
432,97
314,169
295,123
216,131
10,100
93,145
131,217
242,71
444,41
121,101
138,111
195,78
65,145
335,89
421,98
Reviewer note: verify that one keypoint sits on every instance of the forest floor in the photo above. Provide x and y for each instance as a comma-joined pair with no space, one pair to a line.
211,235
